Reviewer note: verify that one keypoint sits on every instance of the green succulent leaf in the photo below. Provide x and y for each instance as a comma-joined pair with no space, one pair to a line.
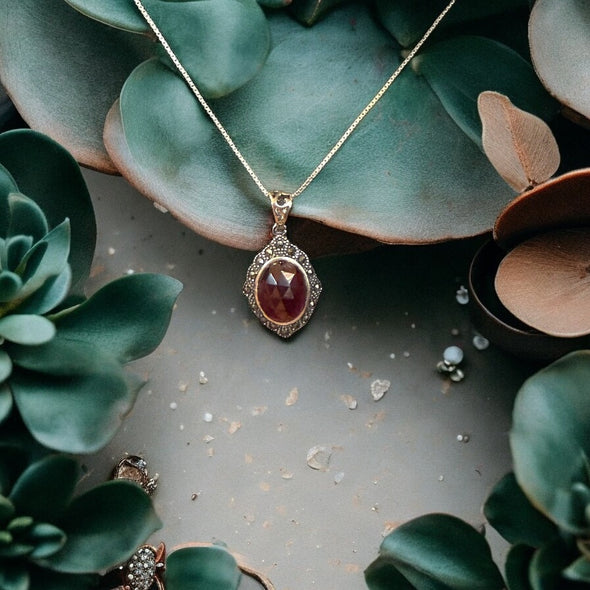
550,441
382,575
47,539
104,527
5,396
44,579
46,487
76,414
7,510
459,69
26,218
517,567
310,11
128,317
26,329
439,551
274,3
10,285
510,512
19,524
547,566
449,190
557,51
13,576
407,20
579,570
13,460
53,292
206,568
7,186
122,15
15,249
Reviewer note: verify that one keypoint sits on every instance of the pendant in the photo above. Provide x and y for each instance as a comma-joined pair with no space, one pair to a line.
281,285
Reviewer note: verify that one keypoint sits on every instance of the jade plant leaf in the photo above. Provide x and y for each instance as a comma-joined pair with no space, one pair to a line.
310,11
26,218
56,173
26,329
128,317
47,538
76,413
407,20
550,441
461,68
547,566
46,487
399,178
558,52
13,459
509,511
206,568
118,510
122,15
43,579
5,397
441,551
517,567
64,79
14,577
579,571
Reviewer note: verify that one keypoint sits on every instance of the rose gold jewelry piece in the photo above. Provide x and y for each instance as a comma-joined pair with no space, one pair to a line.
134,468
144,569
280,285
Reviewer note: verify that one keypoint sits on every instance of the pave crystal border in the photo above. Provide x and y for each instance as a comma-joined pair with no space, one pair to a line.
280,247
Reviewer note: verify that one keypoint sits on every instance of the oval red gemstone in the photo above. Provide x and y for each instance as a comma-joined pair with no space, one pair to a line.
282,291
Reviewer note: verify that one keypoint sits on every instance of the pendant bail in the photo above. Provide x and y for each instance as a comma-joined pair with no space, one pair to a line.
281,207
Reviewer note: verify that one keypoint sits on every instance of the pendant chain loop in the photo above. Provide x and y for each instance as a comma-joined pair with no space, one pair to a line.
337,145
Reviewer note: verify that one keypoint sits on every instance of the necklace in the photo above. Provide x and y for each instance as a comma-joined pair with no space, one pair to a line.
281,285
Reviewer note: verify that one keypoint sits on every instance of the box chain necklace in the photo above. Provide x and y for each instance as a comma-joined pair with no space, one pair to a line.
281,285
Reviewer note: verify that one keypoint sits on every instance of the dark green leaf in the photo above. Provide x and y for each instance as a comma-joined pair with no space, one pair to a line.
221,44
579,570
381,575
310,11
7,186
547,565
13,576
550,440
10,285
26,218
13,460
127,317
78,414
16,248
104,527
19,524
46,487
206,568
517,567
44,579
49,295
123,15
427,181
459,69
439,551
5,396
7,510
509,511
26,329
47,539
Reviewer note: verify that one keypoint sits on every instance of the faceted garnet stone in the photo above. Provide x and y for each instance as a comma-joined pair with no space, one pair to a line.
282,291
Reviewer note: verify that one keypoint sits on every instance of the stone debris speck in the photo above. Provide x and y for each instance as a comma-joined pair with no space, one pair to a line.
207,417
318,457
203,378
462,295
292,397
379,388
480,342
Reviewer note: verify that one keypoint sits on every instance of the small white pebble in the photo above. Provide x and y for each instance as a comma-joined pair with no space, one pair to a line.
379,388
160,208
173,405
462,295
181,427
413,326
203,378
111,251
207,417
208,438
232,310
406,354
441,478
480,342
338,477
182,386
453,355
213,312
129,271
455,332
464,438
392,355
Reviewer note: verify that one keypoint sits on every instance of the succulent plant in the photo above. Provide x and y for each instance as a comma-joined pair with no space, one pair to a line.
51,540
542,509
414,172
62,354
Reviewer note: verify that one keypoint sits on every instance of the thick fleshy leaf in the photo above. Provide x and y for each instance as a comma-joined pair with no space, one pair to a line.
547,566
16,249
7,186
407,174
44,579
10,285
381,575
5,370
7,510
440,551
77,414
14,576
13,460
26,329
407,20
509,511
579,571
26,218
520,146
550,439
517,567
558,52
127,317
104,527
460,69
47,539
122,15
206,568
46,487
53,292
50,77
310,11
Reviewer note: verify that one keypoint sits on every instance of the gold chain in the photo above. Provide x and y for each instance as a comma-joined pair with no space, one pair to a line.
336,146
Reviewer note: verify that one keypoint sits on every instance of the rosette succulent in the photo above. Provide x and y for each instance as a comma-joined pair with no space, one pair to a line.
62,355
542,509
51,540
